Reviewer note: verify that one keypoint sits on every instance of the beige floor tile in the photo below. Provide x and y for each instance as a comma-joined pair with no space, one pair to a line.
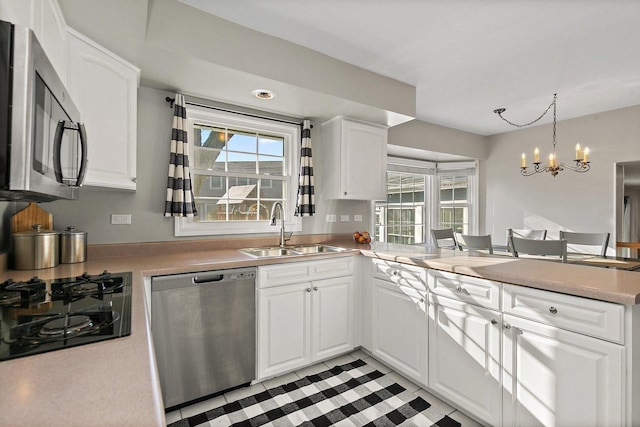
205,405
435,402
282,379
464,420
244,392
311,370
375,364
340,360
404,382
173,416
360,354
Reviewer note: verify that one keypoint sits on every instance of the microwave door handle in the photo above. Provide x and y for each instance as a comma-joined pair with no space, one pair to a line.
85,158
57,147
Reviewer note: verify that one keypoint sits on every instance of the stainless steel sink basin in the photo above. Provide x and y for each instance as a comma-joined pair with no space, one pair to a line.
291,250
316,249
268,252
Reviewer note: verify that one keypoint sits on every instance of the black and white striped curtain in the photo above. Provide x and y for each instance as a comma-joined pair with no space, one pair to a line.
179,200
306,205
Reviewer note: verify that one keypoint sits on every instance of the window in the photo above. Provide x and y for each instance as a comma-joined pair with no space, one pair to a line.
454,203
422,195
240,167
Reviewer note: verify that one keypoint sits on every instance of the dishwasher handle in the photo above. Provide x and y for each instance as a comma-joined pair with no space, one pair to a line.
207,278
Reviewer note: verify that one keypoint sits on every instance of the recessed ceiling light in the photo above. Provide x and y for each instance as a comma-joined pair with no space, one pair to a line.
263,94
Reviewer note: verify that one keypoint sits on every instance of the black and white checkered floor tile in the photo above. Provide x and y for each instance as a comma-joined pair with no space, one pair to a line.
349,395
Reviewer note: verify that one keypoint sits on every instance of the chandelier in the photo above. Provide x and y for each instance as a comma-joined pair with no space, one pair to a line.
553,167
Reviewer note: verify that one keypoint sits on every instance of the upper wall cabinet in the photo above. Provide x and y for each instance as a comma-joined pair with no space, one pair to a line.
104,87
46,20
357,154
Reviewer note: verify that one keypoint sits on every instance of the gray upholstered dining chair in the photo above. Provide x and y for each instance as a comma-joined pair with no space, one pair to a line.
587,239
524,233
539,247
444,238
479,242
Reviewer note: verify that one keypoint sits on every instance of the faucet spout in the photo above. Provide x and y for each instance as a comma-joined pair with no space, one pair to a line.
279,207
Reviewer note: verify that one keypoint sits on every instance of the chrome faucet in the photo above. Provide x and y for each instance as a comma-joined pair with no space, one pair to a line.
273,221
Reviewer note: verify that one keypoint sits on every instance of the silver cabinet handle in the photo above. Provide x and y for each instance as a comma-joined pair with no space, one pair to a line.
459,288
308,289
315,288
507,326
395,273
553,310
494,322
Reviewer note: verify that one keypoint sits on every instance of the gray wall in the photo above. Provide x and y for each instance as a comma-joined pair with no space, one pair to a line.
582,202
91,212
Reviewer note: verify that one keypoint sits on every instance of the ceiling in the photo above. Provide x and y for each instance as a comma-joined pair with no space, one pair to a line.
467,58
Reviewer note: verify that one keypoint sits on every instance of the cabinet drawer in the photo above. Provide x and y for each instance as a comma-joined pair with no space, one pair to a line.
599,319
473,290
400,274
298,272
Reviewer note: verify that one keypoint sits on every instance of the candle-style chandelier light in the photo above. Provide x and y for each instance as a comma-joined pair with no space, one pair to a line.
553,167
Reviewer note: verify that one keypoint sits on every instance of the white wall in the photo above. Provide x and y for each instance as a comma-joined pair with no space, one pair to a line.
582,202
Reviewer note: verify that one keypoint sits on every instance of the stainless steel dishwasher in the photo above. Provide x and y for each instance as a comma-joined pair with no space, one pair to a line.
204,332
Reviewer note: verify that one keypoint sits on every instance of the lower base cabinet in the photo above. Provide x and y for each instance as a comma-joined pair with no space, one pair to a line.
464,356
553,377
303,323
399,333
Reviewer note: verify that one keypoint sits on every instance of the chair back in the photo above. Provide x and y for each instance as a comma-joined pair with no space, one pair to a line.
539,247
587,239
468,241
444,238
524,233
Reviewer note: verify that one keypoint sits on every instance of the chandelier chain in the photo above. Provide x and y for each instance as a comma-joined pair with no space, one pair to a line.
499,112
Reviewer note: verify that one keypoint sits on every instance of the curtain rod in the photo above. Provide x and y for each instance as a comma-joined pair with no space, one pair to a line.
226,110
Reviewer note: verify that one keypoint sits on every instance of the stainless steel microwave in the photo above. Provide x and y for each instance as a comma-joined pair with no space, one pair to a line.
43,145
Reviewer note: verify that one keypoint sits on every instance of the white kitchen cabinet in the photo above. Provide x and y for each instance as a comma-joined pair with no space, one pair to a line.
464,356
304,314
357,153
554,377
399,330
104,87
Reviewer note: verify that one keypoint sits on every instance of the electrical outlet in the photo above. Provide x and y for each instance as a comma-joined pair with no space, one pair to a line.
357,218
120,219
344,218
331,218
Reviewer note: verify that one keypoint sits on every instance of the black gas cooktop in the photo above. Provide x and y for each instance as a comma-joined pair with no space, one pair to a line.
38,316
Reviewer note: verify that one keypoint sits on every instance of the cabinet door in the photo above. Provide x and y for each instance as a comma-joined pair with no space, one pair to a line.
104,87
464,356
363,161
400,329
554,377
284,329
332,324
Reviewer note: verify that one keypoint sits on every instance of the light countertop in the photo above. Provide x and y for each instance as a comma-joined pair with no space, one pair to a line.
115,382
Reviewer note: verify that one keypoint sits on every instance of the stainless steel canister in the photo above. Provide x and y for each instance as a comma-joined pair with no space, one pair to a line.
73,246
35,249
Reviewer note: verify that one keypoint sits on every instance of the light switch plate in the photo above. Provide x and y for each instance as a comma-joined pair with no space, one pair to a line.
344,218
357,218
331,218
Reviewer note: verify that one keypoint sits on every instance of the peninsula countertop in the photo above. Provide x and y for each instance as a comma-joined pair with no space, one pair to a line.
115,382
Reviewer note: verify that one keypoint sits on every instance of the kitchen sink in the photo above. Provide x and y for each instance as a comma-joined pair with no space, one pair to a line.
290,250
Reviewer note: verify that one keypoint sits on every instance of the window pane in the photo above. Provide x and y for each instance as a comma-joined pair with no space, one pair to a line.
209,159
273,146
272,189
209,186
268,165
242,163
209,137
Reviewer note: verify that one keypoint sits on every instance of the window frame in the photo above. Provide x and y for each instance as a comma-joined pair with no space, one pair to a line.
291,134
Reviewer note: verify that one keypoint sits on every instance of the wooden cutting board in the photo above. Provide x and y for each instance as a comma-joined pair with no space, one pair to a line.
27,217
